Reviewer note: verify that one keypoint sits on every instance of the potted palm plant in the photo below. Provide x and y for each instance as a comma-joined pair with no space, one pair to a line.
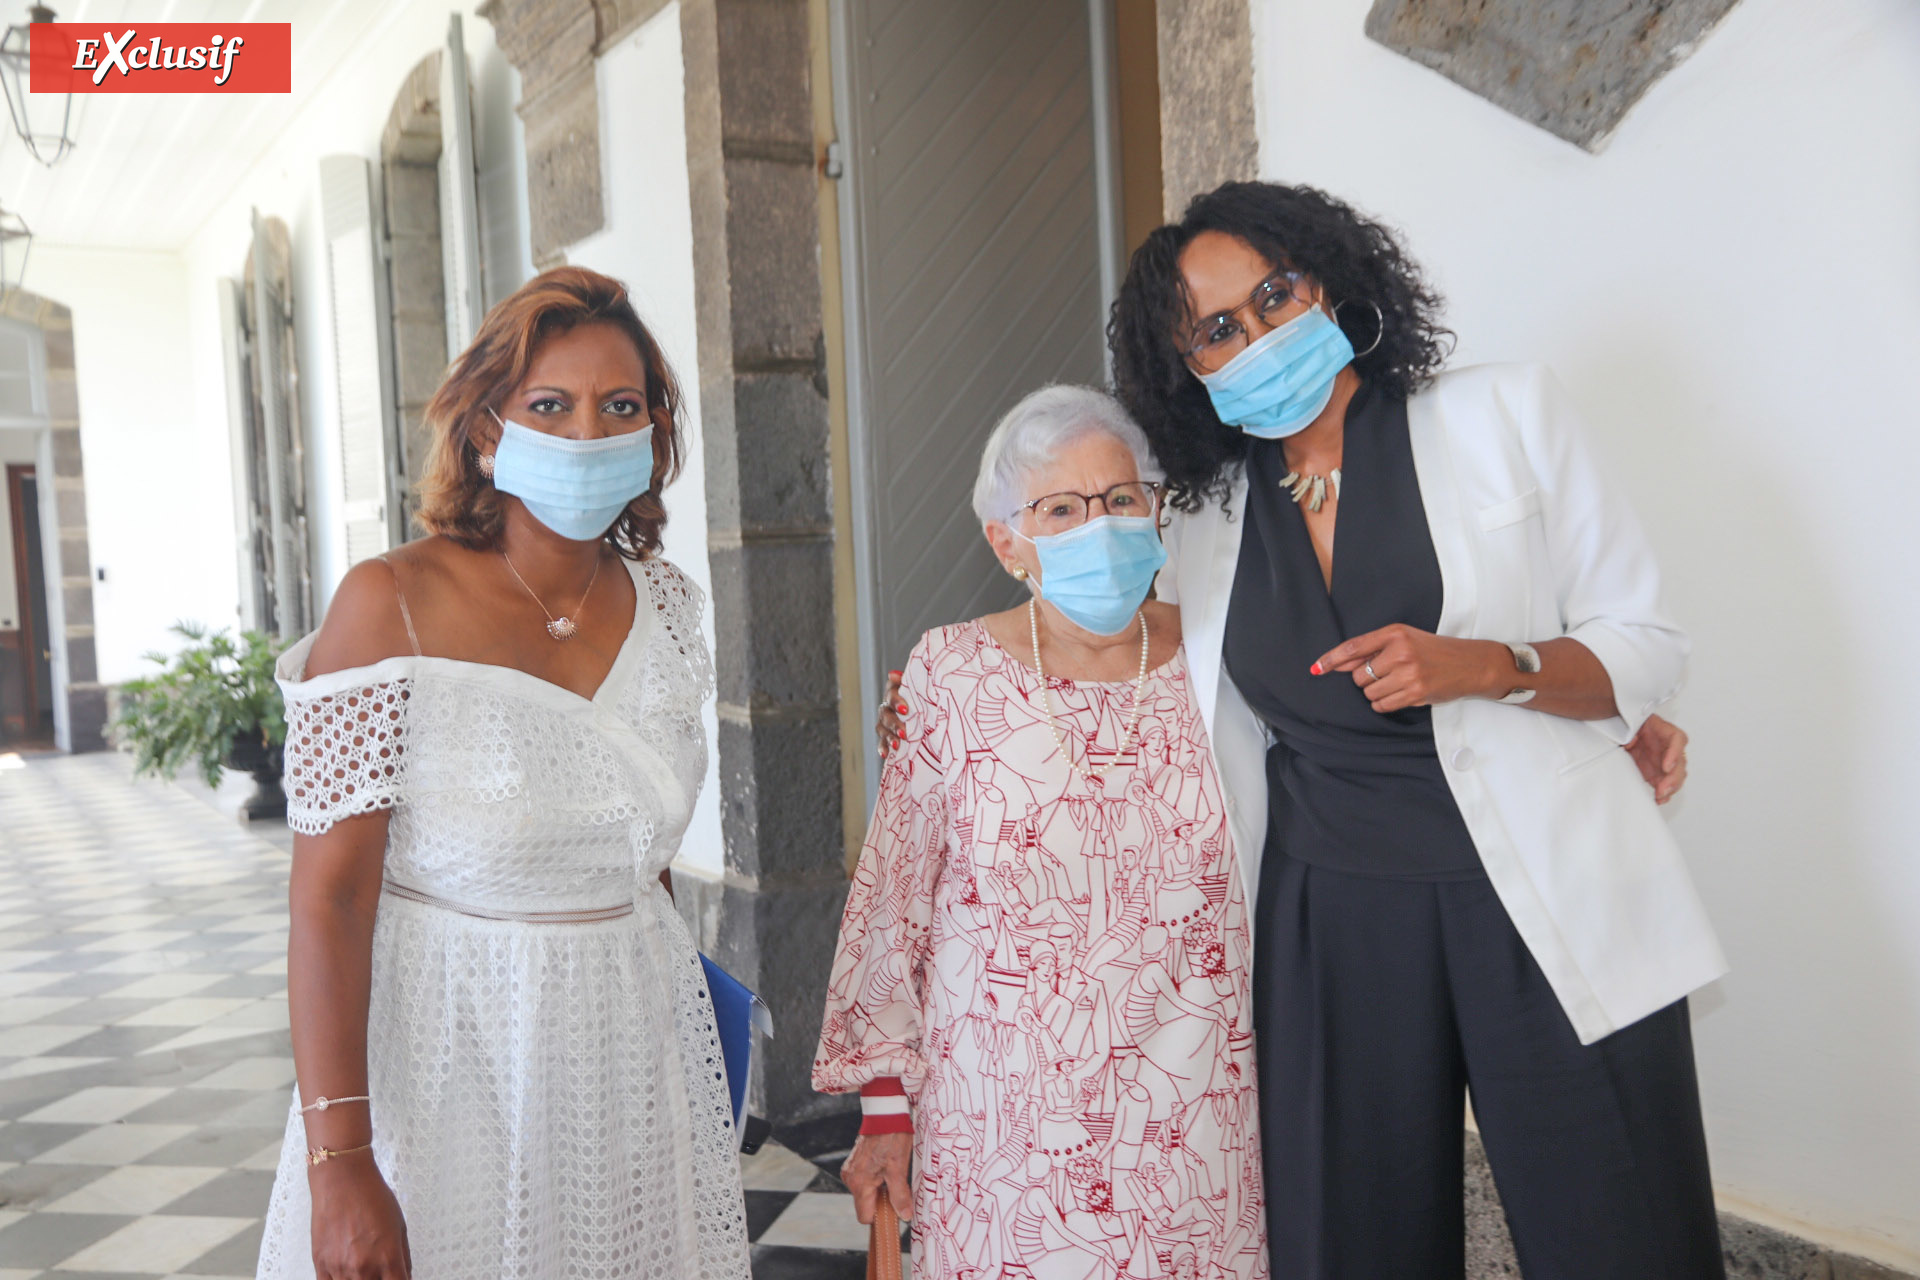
212,704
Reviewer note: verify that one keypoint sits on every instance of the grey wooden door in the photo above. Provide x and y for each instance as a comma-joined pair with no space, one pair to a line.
971,214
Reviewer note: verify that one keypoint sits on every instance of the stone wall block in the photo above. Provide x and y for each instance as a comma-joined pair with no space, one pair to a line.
83,666
1561,65
773,624
1207,130
87,717
413,201
563,167
423,360
79,604
63,397
70,502
67,461
773,232
780,438
1755,1252
780,795
772,941
75,561
59,348
764,88
418,276
546,41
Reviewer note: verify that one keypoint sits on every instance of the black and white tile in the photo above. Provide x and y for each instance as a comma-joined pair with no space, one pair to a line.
144,1055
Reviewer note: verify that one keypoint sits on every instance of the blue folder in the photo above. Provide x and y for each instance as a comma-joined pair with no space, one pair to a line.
737,1013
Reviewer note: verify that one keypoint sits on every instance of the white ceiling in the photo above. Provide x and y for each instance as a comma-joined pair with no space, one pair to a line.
148,169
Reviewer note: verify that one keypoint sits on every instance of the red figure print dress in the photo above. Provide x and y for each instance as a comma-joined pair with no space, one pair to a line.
1057,972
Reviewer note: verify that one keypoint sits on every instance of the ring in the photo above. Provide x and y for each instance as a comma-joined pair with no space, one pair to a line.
1371,673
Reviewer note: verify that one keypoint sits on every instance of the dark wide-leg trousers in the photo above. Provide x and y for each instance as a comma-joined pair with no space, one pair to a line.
1378,1004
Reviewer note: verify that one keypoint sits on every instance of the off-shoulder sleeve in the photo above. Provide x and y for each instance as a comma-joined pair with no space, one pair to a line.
876,995
346,741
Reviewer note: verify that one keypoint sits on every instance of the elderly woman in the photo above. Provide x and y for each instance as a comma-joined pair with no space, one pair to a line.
1464,886
1042,979
501,1032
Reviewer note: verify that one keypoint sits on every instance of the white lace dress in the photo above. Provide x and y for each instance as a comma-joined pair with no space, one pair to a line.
548,1094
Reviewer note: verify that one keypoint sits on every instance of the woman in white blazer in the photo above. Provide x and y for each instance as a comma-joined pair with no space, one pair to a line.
1462,884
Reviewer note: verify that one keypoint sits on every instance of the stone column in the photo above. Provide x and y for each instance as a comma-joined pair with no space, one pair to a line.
764,429
80,700
552,44
1207,126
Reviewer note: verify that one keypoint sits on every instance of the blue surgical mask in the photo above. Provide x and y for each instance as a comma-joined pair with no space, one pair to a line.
1098,574
577,488
1279,384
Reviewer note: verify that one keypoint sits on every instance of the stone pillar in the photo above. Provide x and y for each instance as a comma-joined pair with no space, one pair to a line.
552,44
764,428
416,274
1207,127
80,700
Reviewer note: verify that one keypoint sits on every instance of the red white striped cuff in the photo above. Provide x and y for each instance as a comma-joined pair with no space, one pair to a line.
884,1107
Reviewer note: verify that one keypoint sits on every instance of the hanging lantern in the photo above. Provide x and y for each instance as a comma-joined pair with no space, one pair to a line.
16,78
16,242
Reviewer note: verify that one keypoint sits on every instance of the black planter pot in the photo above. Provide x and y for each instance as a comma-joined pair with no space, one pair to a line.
249,755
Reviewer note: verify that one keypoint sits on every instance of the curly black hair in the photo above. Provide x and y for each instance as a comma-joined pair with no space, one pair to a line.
1351,257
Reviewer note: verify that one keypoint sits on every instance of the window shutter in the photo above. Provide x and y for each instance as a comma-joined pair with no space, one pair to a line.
361,351
243,430
282,444
459,200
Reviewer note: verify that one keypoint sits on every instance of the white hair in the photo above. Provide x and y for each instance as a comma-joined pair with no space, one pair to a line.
1033,433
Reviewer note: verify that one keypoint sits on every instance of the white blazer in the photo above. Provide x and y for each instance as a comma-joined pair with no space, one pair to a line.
1532,546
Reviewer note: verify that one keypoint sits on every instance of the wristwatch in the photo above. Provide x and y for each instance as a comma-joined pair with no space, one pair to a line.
1527,659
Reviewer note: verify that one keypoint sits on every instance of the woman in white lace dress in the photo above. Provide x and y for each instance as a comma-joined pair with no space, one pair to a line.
493,747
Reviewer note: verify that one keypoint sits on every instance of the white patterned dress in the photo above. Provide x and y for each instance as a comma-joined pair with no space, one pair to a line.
547,1094
1056,972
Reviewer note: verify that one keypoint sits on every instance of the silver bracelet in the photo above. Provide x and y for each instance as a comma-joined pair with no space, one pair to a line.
322,1103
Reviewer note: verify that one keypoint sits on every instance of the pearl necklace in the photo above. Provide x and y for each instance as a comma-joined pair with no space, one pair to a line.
1046,697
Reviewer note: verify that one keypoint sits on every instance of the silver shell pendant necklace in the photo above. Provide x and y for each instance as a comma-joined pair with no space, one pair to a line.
564,626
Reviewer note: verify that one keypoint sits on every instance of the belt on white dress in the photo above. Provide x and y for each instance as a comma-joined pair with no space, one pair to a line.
586,915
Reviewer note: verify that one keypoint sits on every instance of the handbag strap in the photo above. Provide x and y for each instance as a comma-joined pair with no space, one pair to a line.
883,1245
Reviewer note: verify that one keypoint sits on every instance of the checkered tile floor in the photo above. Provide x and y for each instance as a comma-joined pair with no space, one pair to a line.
144,1057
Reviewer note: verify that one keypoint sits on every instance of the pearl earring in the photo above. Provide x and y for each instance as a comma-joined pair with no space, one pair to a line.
1019,572
485,463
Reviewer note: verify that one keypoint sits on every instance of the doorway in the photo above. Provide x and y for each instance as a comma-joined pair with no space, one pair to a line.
26,648
999,161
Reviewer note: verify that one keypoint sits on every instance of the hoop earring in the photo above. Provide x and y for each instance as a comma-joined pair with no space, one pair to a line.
1379,319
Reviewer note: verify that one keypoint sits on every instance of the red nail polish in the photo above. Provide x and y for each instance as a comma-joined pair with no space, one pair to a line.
1315,670
903,708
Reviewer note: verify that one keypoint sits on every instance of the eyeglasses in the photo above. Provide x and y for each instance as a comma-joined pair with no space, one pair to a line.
1059,512
1212,342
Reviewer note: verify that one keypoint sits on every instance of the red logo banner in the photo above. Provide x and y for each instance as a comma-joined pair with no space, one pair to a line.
161,57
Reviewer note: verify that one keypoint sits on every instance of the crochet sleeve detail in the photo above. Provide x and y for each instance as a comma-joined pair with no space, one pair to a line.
345,753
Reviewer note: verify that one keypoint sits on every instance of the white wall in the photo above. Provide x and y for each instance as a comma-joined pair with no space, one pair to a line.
647,243
1729,290
154,450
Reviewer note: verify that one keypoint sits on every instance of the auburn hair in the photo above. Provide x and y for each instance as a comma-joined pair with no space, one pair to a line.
455,499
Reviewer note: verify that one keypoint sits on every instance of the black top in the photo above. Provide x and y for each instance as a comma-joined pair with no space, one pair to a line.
1349,788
